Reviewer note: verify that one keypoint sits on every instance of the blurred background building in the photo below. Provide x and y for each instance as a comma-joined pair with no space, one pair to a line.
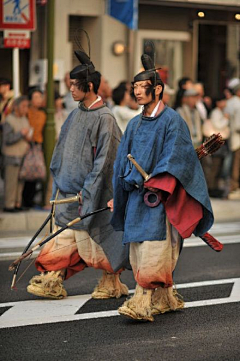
195,38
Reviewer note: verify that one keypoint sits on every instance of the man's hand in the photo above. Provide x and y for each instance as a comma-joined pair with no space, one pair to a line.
110,204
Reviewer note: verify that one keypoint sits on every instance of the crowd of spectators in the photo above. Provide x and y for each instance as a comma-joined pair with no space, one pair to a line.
206,116
23,121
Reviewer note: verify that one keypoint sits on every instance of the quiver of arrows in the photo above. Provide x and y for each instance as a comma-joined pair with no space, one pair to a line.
210,146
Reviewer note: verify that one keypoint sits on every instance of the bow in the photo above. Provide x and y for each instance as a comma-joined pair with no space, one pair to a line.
16,269
14,266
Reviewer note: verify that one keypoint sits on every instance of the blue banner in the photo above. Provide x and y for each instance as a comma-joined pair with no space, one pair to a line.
125,11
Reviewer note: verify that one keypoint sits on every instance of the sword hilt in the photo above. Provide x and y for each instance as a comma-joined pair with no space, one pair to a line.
66,200
146,176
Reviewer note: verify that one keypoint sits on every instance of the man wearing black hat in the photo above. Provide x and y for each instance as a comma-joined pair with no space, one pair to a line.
82,164
160,196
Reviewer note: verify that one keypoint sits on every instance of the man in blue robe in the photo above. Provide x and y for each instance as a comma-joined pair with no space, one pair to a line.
160,142
82,163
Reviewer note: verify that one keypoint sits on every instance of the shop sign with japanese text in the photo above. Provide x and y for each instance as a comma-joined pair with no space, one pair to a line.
17,39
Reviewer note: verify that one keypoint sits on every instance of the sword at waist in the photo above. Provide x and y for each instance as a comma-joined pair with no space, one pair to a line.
151,199
76,198
146,176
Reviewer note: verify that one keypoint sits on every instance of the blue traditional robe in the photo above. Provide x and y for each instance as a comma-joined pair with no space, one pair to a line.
160,144
83,161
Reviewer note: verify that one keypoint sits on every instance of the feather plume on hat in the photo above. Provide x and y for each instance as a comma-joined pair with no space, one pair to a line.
86,68
148,62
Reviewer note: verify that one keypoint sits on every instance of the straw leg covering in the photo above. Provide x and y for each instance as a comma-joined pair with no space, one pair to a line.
48,285
61,254
153,263
110,286
165,300
138,307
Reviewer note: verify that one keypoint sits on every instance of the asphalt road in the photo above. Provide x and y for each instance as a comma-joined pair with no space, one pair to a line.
207,329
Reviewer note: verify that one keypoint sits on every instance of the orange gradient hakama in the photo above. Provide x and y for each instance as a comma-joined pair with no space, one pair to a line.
72,251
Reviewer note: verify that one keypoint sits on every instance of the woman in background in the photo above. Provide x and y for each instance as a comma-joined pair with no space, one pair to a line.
37,119
16,135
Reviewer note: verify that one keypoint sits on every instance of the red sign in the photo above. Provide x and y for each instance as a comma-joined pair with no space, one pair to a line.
16,39
17,14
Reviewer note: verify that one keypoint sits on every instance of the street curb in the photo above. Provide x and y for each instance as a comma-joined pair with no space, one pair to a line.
22,221
224,210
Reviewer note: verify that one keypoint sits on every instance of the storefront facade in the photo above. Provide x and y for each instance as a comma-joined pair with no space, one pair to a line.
199,39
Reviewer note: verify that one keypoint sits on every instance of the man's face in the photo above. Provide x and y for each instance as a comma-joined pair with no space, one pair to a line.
77,94
141,92
191,101
23,108
4,88
221,104
188,85
104,90
37,100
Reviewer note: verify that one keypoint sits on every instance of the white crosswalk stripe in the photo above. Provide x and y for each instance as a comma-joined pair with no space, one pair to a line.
25,313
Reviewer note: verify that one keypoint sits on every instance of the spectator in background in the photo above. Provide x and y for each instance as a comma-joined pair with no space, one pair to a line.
121,110
208,102
37,119
126,84
217,167
168,92
228,92
69,103
59,118
6,100
183,84
232,83
16,135
105,92
200,105
191,115
133,102
60,113
233,109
